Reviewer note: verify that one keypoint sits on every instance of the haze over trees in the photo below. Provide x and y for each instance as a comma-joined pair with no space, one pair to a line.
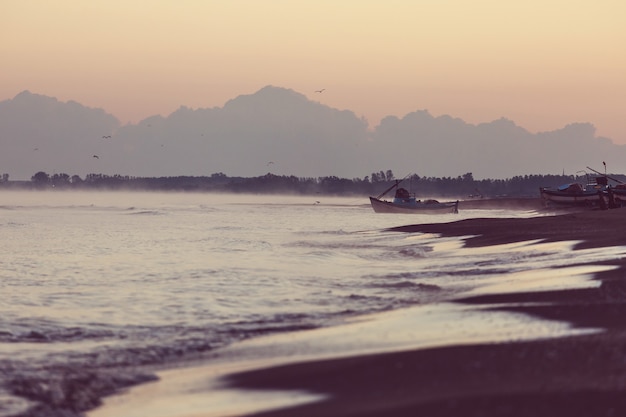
461,187
283,133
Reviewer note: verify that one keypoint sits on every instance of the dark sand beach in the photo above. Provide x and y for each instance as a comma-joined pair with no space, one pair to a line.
583,375
513,203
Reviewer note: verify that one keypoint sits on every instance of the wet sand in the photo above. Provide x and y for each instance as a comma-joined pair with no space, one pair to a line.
512,203
581,375
594,228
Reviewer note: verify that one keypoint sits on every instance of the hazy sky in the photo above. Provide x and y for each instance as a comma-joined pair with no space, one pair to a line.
541,63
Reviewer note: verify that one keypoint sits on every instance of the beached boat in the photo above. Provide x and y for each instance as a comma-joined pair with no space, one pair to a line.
618,195
593,194
405,202
614,194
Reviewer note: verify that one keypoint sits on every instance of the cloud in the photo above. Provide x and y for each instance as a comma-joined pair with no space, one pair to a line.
302,137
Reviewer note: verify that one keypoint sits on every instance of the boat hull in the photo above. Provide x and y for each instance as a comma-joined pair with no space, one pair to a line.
617,196
593,198
381,206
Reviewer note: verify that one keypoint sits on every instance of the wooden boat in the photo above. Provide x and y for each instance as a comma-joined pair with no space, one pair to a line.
598,193
615,194
618,195
405,202
593,194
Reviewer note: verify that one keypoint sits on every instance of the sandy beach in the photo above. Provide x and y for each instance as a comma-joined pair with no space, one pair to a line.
576,375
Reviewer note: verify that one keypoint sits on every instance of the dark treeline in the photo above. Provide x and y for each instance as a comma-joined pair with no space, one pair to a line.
376,183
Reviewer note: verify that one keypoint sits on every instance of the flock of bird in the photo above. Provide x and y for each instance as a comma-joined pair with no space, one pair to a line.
94,156
103,137
109,137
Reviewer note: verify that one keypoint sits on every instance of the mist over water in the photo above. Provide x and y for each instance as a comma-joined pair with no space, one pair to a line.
94,284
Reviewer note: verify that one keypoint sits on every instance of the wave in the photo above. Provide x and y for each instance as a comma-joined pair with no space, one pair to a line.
146,213
49,334
412,285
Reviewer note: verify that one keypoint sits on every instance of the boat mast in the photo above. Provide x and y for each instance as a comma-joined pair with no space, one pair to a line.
393,186
604,175
389,189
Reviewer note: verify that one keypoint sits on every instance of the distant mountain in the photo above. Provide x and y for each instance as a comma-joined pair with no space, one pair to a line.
281,131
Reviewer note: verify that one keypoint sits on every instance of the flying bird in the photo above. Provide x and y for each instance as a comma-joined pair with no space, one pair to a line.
320,91
106,137
96,156
270,163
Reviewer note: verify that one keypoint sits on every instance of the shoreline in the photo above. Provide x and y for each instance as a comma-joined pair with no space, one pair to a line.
593,228
512,203
579,375
574,375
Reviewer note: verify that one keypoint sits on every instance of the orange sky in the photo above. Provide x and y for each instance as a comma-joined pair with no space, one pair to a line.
542,63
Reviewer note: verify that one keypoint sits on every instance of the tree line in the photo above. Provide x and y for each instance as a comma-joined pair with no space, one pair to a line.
454,187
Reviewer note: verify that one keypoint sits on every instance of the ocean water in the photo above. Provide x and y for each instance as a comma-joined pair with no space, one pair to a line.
95,285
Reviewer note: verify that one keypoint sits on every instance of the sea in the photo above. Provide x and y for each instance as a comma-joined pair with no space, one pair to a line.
97,286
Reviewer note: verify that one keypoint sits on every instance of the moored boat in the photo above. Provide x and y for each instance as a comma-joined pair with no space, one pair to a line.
593,194
618,193
405,202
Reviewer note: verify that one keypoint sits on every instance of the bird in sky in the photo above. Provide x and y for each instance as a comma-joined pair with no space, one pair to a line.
96,156
320,91
106,137
270,163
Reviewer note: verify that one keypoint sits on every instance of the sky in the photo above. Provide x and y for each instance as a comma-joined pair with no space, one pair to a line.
541,63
